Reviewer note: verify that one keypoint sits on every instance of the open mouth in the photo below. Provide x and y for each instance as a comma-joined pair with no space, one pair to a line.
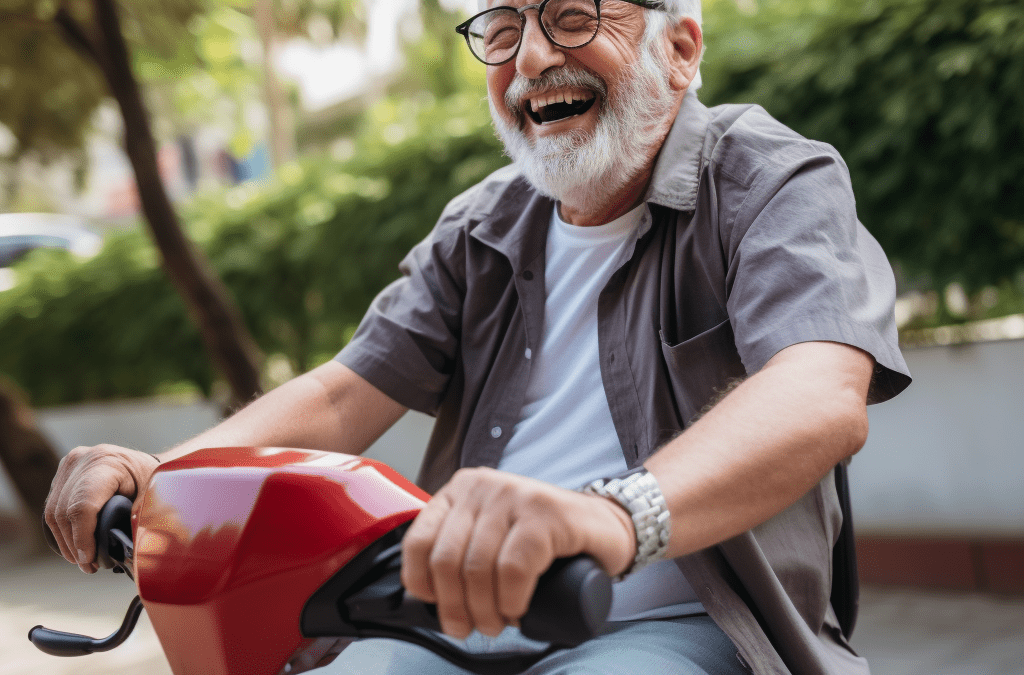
559,107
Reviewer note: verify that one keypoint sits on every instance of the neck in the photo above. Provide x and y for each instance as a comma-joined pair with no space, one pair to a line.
584,210
586,213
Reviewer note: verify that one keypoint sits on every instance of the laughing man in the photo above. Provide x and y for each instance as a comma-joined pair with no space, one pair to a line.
656,298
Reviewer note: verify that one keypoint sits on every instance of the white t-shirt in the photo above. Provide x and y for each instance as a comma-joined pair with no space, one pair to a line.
565,434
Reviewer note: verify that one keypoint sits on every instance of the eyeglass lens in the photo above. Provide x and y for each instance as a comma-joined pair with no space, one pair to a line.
495,35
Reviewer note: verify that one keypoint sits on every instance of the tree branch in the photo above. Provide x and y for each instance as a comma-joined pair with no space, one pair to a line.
76,35
9,18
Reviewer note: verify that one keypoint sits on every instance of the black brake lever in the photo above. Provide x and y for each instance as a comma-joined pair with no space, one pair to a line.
59,643
114,550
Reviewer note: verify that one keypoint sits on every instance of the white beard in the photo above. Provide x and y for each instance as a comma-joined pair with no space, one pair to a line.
585,167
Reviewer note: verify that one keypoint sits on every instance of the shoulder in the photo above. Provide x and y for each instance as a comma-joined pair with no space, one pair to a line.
748,146
479,202
468,210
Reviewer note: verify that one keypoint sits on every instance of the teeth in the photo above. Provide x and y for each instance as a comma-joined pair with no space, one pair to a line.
558,97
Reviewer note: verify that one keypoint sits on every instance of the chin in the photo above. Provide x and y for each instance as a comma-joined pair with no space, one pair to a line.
576,166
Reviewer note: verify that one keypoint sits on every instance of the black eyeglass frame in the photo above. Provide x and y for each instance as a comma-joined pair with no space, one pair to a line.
463,28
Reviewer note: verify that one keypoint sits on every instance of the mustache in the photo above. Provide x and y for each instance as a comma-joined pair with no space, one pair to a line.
520,87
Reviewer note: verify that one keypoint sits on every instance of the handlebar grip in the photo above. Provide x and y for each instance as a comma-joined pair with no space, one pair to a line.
571,603
115,514
569,606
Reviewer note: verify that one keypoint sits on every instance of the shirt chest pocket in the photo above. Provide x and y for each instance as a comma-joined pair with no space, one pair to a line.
701,368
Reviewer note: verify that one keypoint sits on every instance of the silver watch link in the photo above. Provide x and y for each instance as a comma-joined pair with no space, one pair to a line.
638,493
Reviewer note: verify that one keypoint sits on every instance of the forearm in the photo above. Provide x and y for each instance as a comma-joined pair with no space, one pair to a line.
329,408
765,445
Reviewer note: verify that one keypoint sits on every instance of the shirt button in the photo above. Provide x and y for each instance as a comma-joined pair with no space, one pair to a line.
529,353
528,275
496,432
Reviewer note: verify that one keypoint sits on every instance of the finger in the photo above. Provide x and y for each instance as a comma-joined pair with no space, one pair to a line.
50,516
446,569
64,533
82,515
479,572
524,556
417,545
53,503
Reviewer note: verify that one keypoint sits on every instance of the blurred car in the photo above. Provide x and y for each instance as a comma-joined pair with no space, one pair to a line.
23,232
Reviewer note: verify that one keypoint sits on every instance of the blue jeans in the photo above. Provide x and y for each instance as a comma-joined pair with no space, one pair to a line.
691,645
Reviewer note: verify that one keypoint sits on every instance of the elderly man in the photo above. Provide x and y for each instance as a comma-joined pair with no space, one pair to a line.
575,321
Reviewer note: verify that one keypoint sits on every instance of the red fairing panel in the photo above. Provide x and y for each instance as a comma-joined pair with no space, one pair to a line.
231,542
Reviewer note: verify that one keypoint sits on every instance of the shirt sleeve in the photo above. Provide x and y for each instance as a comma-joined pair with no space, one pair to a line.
801,267
407,342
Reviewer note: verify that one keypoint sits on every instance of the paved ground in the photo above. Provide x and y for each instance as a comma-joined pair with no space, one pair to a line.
902,632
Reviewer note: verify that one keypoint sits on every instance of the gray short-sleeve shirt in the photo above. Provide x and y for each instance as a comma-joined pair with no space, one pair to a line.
752,244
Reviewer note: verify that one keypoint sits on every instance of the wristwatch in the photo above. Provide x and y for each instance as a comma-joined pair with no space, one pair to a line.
638,493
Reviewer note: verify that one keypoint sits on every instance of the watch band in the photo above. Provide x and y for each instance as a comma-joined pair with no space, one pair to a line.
638,493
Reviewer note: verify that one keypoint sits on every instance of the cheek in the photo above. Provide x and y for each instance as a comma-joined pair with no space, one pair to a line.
498,80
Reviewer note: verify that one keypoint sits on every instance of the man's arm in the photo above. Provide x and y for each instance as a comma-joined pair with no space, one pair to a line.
480,544
329,408
765,444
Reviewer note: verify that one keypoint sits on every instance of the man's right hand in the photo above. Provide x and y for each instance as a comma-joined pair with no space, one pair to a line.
85,480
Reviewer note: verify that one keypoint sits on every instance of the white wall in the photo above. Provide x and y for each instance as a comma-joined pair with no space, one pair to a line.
146,425
155,425
944,458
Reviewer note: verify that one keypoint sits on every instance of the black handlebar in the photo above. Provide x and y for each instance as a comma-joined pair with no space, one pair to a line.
366,599
113,534
569,606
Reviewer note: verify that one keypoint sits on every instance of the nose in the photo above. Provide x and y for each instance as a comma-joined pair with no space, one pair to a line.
536,52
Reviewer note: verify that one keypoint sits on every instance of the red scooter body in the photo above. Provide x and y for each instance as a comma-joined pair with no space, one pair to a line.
267,561
231,542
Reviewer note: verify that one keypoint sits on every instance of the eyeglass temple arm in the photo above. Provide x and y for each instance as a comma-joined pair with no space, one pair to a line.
647,4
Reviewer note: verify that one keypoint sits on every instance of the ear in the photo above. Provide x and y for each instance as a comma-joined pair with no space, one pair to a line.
685,45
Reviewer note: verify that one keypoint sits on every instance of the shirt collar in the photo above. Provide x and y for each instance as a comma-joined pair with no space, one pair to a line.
514,219
677,169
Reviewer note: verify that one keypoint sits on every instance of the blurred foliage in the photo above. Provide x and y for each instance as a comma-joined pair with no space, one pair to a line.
33,57
49,89
923,98
199,59
435,60
303,255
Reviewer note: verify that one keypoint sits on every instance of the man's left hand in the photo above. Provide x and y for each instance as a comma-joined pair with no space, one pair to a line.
479,546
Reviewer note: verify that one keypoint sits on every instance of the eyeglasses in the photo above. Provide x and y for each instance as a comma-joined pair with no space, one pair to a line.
494,36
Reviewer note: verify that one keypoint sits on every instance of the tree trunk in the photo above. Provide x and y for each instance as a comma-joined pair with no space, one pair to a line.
227,340
29,459
282,136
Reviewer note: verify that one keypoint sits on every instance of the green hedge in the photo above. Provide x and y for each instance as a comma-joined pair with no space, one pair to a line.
923,98
303,256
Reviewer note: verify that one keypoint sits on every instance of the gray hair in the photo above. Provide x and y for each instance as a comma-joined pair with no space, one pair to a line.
658,22
674,12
